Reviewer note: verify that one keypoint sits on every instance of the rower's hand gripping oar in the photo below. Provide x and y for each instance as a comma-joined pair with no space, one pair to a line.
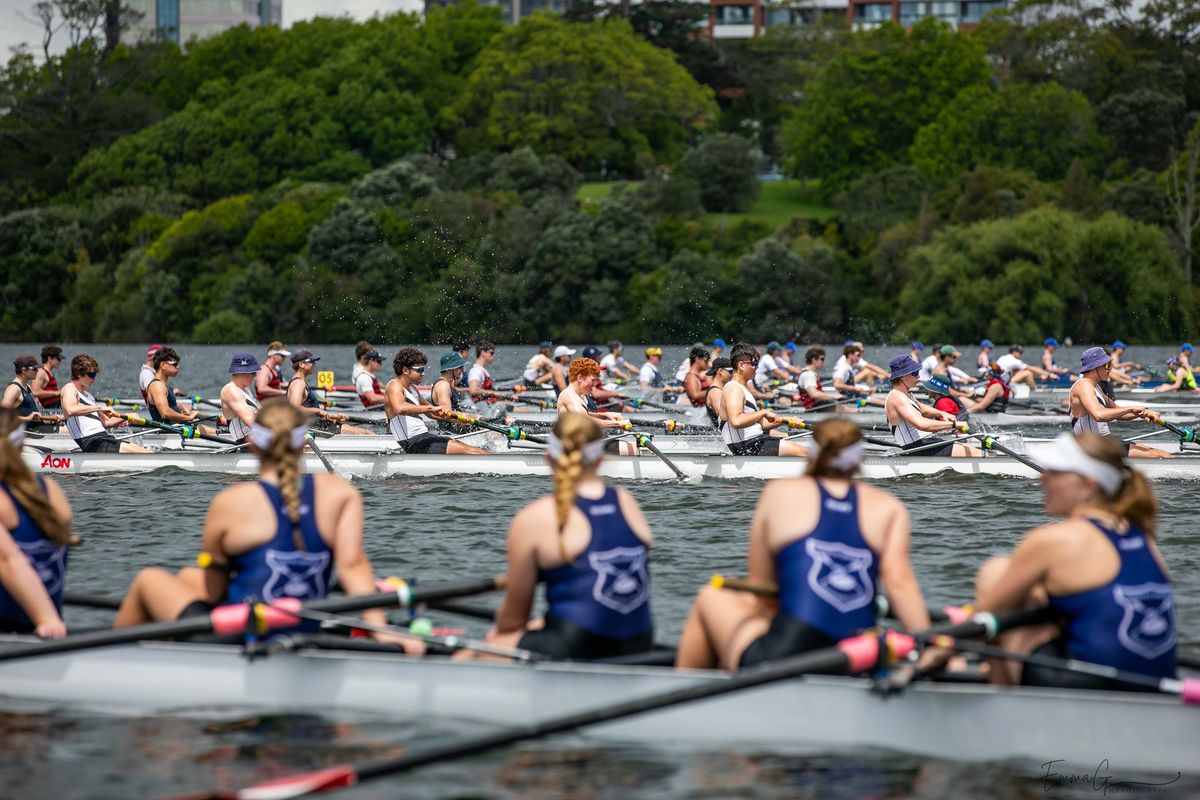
185,430
856,654
1186,435
512,432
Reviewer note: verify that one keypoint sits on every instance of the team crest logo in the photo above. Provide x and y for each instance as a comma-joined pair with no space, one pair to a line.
295,574
621,578
839,574
49,560
1147,628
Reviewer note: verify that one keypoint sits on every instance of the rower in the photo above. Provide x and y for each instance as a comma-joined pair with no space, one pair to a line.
1178,378
913,424
370,391
1100,568
268,382
360,349
45,385
685,366
540,369
87,422
562,365
301,395
996,393
1121,369
160,400
1185,356
35,532
947,360
769,373
279,537
983,361
585,376
445,395
829,543
650,376
1049,363
600,397
614,364
918,352
812,393
695,382
409,418
479,381
785,360
239,404
1092,410
588,543
942,391
866,372
1017,371
844,376
721,371
146,373
744,428
463,349
718,348
18,396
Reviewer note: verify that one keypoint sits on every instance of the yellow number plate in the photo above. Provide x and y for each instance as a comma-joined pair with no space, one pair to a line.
325,379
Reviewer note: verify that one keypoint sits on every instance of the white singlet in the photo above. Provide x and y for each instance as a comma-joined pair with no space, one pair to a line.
732,435
905,433
144,377
766,370
87,425
478,374
612,361
531,372
1089,424
683,370
404,426
927,368
238,429
1010,364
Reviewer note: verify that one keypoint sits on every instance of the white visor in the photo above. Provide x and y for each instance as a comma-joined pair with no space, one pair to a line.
284,353
1065,455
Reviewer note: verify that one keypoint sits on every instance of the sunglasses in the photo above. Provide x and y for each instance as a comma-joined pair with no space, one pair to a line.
172,363
91,375
418,370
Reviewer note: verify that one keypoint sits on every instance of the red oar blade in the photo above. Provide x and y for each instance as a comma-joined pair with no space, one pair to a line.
322,780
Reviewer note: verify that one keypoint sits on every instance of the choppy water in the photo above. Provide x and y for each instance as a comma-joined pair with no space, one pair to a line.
454,528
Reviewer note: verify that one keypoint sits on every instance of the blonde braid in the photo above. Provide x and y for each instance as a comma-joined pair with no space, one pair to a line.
574,431
26,490
282,418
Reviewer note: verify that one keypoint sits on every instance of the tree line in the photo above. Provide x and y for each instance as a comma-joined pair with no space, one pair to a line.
409,179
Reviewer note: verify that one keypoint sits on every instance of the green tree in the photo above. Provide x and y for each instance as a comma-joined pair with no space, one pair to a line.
861,111
595,94
726,167
816,311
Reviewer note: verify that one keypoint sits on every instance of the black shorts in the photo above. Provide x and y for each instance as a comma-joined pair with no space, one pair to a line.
14,626
533,384
426,444
946,449
765,445
1035,675
99,443
41,427
786,637
566,641
196,608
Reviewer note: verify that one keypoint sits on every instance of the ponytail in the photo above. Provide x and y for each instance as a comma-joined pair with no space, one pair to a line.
25,489
280,419
572,434
836,450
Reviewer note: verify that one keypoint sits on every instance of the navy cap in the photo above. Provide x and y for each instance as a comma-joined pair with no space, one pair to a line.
592,352
243,363
304,354
545,345
903,365
915,345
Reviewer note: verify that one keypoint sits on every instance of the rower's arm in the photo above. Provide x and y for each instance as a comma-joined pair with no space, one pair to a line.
1102,413
262,383
926,418
73,408
476,390
734,412
236,401
513,613
12,397
157,394
38,387
19,578
296,393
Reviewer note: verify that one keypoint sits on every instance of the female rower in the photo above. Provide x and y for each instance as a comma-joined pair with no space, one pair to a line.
302,397
695,382
589,543
35,532
1100,567
279,537
913,424
827,541
1092,409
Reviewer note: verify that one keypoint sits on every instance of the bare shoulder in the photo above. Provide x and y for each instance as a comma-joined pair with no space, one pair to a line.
234,497
536,512
877,498
333,487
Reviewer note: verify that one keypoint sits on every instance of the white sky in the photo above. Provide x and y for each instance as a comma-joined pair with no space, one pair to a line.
15,26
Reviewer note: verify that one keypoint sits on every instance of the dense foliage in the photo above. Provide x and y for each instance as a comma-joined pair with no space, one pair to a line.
407,179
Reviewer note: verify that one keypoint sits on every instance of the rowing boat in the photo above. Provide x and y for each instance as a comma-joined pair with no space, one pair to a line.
644,467
968,722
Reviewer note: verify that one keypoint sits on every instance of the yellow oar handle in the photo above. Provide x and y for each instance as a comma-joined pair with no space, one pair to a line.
743,585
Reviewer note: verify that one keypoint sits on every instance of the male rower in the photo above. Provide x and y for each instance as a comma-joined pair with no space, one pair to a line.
946,364
844,374
695,382
1185,356
744,428
301,395
1178,378
87,422
614,365
600,397
1049,362
562,366
445,394
812,393
239,401
769,372
585,376
913,423
367,385
361,348
718,348
479,381
650,377
409,418
540,369
1092,410
996,392
866,372
463,349
19,396
160,400
45,385
785,357
685,366
983,361
1017,371
268,381
146,373
720,370
1121,369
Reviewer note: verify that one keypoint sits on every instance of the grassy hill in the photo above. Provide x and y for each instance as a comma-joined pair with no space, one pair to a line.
779,201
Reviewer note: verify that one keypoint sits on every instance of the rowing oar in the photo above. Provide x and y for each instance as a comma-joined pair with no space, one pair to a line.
859,402
311,441
235,618
641,440
1184,434
638,402
510,431
990,442
184,430
856,654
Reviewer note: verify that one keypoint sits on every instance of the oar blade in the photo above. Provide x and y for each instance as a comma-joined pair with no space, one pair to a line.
322,780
